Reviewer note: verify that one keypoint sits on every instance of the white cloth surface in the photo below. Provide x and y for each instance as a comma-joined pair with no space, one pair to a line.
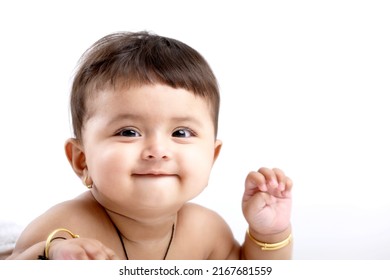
9,233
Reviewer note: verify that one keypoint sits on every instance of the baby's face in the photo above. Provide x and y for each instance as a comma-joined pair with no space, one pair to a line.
148,148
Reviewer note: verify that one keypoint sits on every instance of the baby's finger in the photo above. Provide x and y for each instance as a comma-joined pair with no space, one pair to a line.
270,177
254,182
288,188
96,250
110,254
281,178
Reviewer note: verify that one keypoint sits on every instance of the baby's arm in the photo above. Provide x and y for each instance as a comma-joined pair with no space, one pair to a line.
266,206
64,249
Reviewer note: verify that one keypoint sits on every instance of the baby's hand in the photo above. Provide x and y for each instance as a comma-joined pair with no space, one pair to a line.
266,203
80,249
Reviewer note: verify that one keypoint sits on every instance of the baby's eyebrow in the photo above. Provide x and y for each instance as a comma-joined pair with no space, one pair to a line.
124,116
187,119
139,117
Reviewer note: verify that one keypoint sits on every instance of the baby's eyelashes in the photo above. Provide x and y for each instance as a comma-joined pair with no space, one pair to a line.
128,132
183,133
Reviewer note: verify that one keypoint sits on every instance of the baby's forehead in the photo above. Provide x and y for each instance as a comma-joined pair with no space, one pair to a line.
119,89
98,96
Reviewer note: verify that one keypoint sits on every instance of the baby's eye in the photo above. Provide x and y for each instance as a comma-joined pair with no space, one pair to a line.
183,133
128,133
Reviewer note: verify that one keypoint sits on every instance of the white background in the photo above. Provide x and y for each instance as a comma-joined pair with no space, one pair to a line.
304,86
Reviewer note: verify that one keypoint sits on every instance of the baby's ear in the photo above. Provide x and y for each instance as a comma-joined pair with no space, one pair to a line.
76,157
217,148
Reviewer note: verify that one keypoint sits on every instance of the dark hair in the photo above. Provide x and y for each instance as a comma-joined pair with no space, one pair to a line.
141,58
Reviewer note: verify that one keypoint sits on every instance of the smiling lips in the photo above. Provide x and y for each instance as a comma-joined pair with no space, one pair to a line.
153,174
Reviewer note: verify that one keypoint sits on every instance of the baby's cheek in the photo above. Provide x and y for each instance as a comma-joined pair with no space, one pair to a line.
199,169
109,165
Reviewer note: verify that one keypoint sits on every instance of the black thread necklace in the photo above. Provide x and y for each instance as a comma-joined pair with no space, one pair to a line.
166,251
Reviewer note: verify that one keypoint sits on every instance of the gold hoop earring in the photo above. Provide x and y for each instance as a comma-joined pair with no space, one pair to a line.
85,183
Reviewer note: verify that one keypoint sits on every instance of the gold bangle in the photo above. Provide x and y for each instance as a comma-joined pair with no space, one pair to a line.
270,246
50,238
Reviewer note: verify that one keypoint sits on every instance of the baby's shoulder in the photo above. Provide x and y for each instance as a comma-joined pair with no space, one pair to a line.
80,209
79,215
196,213
195,217
207,231
79,212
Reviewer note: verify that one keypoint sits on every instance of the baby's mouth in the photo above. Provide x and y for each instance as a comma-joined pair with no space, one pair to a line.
152,174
